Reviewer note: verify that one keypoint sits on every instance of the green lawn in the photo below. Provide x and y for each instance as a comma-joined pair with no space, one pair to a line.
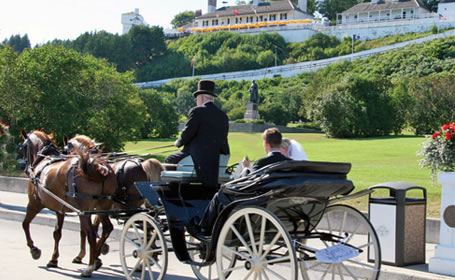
374,160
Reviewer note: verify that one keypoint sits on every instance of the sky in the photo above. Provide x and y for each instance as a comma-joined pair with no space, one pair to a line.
46,20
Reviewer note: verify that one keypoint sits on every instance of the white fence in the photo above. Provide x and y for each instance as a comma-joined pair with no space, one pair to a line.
292,70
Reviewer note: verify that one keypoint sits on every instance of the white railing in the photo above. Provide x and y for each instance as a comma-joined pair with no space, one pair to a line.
292,70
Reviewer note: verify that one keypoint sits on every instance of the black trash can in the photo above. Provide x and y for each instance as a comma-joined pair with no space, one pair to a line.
399,222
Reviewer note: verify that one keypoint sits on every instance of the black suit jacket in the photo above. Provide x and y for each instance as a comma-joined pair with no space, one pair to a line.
205,138
275,156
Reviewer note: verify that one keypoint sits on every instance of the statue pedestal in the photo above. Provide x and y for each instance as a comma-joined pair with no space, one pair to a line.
252,112
443,261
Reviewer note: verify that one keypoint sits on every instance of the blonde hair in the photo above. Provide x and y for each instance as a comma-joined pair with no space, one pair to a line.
285,143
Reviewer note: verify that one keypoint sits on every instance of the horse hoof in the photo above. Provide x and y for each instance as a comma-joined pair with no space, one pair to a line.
105,249
98,264
87,272
52,264
36,253
77,260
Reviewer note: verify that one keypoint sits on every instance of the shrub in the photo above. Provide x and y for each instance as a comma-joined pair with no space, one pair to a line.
7,149
358,107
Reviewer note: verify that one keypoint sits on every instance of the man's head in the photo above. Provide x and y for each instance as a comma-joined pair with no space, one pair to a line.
272,139
205,92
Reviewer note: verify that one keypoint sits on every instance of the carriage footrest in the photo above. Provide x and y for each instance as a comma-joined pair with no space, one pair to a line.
173,176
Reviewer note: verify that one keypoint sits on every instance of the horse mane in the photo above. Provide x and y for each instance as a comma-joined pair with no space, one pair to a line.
85,141
93,168
44,137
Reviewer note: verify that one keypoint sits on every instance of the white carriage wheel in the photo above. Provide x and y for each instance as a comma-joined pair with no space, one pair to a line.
261,245
356,229
208,272
143,249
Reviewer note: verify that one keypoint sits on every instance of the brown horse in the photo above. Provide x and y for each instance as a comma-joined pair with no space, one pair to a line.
66,184
127,171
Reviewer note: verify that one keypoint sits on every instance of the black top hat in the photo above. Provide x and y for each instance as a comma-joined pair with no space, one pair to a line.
205,87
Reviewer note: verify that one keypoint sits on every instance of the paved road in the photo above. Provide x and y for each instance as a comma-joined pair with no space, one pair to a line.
16,262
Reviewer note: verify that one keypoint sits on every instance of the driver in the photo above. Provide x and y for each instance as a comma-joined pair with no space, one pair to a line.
204,136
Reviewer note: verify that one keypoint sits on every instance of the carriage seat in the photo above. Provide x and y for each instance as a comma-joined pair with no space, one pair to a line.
186,172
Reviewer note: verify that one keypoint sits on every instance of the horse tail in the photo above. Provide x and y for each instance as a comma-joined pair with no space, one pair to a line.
92,167
152,168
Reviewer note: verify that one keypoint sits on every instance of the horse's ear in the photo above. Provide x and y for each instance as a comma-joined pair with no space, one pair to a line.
51,135
23,134
65,140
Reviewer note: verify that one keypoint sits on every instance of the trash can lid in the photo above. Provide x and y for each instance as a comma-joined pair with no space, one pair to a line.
397,186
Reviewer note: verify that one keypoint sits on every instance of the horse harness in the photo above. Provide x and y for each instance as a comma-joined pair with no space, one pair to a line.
121,195
71,185
52,154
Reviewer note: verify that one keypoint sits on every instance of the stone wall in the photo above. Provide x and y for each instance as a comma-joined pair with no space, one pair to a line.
259,127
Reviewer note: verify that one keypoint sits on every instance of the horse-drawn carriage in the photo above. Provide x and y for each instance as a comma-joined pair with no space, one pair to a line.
283,219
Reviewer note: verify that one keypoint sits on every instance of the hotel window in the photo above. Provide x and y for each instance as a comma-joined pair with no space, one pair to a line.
236,20
247,19
251,19
272,17
261,18
283,16
229,21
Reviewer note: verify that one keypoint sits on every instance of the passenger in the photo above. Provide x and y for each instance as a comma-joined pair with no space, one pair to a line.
292,149
204,136
272,142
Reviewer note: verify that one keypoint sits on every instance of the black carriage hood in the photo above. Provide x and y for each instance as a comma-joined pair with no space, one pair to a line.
296,178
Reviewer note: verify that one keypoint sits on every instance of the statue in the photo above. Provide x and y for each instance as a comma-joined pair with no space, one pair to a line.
252,112
253,92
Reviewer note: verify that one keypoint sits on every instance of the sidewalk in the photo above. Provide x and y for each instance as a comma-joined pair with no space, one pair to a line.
13,206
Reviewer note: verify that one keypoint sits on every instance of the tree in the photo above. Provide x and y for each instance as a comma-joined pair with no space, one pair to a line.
356,107
161,119
18,43
182,19
275,113
66,93
433,103
330,8
146,43
311,5
431,5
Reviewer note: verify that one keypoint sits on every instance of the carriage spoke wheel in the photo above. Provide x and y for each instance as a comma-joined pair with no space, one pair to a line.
261,245
355,228
143,250
208,272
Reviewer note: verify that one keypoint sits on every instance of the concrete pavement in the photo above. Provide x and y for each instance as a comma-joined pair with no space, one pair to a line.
13,206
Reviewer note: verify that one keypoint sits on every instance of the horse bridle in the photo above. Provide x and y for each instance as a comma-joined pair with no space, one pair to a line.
47,149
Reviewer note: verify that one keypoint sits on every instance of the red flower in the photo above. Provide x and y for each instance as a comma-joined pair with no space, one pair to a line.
448,135
445,127
436,134
236,12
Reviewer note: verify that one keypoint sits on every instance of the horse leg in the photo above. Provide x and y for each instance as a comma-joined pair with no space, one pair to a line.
107,229
86,226
81,255
32,210
57,236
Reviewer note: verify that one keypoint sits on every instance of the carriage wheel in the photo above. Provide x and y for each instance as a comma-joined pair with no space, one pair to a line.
143,250
208,272
356,229
261,245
